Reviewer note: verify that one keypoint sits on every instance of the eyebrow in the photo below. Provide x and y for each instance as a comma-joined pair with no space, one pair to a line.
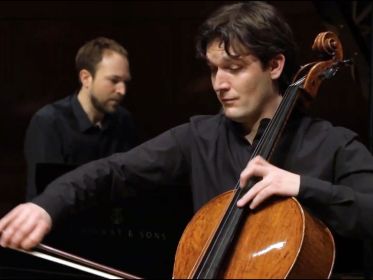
227,59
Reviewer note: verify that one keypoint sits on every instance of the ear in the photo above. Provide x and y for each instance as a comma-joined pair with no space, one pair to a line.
85,78
276,66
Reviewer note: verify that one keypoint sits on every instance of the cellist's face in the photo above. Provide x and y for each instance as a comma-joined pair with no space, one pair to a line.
246,90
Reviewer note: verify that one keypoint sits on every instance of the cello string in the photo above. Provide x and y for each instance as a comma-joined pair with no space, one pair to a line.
289,99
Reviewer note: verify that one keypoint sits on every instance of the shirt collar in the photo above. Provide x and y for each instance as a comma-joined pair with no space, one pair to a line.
237,128
82,119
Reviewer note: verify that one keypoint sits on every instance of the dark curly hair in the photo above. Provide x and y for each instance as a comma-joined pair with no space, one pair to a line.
255,27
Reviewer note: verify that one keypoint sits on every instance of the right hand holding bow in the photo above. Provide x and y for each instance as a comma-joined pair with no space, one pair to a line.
24,227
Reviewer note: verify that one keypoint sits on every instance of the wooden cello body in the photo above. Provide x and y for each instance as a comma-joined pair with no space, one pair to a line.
280,239
273,246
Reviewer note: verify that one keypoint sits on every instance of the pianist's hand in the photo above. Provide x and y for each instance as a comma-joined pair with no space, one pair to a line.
24,227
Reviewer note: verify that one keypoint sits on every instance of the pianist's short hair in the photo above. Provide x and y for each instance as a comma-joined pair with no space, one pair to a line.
90,54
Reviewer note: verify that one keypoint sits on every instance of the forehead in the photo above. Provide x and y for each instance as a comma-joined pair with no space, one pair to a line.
215,51
113,62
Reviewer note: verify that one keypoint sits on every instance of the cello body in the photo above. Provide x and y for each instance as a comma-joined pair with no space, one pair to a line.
277,240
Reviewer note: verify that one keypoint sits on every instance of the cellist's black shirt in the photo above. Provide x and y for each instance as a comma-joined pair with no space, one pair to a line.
209,152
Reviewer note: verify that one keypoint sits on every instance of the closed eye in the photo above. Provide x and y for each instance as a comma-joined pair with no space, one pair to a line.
233,68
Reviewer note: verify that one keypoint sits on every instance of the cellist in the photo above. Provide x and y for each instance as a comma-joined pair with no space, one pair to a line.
251,53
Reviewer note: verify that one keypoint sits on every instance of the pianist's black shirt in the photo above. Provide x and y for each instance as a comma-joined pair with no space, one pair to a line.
62,133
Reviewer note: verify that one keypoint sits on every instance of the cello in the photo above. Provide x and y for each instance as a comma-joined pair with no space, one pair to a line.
280,239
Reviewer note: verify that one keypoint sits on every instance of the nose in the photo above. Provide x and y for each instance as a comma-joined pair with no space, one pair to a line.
121,88
220,81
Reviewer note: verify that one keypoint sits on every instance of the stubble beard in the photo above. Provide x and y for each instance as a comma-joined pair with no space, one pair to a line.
100,107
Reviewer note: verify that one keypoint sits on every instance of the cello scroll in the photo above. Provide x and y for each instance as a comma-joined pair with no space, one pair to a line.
327,45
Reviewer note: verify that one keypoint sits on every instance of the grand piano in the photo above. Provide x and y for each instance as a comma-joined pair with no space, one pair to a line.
137,234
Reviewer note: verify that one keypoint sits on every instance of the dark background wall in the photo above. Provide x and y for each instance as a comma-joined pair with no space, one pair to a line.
39,40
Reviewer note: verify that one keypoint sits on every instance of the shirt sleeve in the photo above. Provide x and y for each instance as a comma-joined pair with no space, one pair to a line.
345,203
42,145
161,161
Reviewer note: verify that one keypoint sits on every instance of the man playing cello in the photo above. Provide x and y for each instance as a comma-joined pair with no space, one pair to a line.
251,52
